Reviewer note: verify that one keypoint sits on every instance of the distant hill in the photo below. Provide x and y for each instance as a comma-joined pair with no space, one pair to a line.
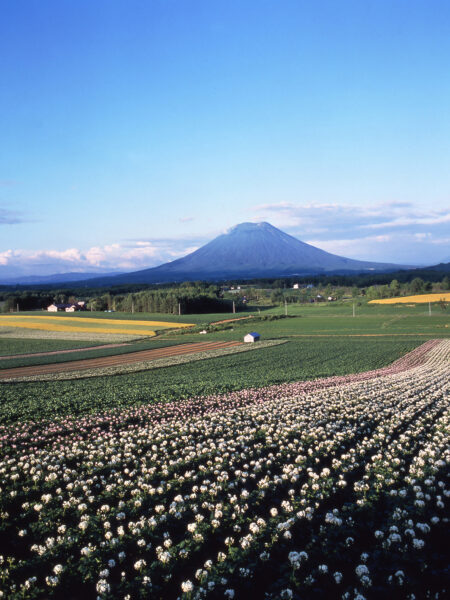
250,250
443,267
50,279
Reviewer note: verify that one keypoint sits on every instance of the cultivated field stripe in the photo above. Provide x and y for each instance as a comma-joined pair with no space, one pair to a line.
108,361
60,326
87,320
418,299
52,352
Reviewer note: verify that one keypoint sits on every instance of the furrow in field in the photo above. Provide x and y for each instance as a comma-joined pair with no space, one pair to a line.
108,361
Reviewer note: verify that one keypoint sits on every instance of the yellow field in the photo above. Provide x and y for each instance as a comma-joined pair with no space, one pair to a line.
163,324
60,327
419,299
85,325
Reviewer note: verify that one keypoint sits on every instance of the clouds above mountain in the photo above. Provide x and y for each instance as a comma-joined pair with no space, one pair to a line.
395,232
129,256
391,231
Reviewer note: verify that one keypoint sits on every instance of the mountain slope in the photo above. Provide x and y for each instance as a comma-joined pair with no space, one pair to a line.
250,250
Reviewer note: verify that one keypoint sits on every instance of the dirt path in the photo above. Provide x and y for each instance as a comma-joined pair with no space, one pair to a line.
232,320
108,361
52,352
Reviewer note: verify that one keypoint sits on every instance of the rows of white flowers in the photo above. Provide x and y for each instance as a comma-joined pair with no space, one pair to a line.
325,493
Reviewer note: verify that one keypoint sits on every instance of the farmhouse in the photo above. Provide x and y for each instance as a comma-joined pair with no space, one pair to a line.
252,337
57,307
66,307
72,308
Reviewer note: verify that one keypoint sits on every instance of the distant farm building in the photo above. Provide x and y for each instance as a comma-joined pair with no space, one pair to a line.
252,337
66,307
296,286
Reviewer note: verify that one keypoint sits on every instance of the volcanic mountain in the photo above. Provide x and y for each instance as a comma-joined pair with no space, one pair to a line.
249,250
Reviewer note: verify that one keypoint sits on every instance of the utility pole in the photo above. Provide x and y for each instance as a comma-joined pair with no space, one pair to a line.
234,308
285,308
17,305
354,310
179,308
429,309
132,306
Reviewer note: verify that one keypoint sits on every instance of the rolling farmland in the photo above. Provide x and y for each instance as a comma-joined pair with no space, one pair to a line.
314,467
303,491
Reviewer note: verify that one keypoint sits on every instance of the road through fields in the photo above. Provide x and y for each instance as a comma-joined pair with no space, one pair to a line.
117,360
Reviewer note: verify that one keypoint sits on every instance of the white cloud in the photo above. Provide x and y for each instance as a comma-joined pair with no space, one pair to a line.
404,232
399,248
131,256
339,218
405,222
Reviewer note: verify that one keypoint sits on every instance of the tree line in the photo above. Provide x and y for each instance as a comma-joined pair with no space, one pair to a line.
190,297
204,297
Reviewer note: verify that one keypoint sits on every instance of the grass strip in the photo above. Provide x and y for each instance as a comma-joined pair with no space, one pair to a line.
13,346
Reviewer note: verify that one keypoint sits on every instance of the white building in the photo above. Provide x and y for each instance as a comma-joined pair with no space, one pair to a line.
58,307
66,307
72,308
252,337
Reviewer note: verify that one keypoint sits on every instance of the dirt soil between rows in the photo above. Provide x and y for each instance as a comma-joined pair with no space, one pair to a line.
117,360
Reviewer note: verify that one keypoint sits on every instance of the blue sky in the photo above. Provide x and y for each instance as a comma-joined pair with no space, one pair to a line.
133,132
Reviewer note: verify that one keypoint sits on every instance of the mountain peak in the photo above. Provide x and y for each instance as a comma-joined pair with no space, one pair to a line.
248,226
250,250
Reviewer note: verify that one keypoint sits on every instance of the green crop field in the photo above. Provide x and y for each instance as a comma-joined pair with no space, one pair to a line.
293,361
321,323
324,339
11,346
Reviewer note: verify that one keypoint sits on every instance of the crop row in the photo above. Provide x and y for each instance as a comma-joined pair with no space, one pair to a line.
31,432
292,361
144,364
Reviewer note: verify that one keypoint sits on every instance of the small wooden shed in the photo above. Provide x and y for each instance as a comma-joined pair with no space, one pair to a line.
252,337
